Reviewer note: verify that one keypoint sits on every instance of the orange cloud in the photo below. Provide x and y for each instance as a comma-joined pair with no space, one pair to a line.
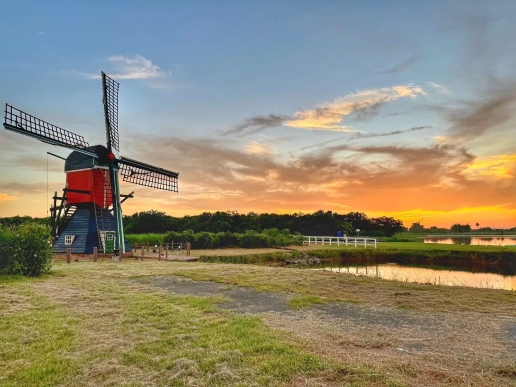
328,116
5,197
501,167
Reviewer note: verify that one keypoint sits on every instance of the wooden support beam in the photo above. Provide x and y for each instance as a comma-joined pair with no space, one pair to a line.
95,254
68,255
79,191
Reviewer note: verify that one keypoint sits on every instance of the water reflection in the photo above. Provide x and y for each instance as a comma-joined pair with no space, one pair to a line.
392,271
473,240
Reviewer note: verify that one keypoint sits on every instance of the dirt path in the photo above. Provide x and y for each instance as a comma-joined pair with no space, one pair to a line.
421,348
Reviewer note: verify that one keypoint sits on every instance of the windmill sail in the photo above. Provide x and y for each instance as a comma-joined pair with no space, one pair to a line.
136,172
24,123
110,91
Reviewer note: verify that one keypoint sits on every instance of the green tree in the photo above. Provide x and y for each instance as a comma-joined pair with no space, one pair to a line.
417,227
460,228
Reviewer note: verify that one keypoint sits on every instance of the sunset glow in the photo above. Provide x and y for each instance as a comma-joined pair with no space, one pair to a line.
301,108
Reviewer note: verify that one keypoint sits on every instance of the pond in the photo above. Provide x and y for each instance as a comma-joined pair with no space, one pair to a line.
494,240
429,275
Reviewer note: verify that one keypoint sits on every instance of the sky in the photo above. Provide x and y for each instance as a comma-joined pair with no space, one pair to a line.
392,108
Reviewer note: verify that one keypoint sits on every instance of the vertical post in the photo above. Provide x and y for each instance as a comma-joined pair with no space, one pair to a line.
330,240
355,242
346,240
143,248
375,243
68,255
166,251
322,238
159,252
365,243
95,254
338,241
54,216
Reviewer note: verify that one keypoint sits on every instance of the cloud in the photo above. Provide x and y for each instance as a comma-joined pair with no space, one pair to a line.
328,116
136,67
5,197
402,65
495,107
441,88
369,135
257,148
364,104
499,167
404,174
256,124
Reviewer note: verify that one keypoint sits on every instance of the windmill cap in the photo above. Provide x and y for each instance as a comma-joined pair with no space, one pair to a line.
77,160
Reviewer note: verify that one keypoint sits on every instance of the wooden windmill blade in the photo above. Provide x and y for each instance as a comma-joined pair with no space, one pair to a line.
110,89
20,122
136,172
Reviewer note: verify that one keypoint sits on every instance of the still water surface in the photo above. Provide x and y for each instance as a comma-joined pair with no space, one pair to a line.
392,271
474,240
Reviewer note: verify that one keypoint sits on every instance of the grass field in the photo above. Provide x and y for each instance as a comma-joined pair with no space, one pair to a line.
93,324
88,324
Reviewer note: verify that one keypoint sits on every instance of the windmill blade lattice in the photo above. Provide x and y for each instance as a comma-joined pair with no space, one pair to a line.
110,89
24,123
136,172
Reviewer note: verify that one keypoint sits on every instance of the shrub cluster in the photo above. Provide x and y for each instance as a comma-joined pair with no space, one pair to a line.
25,249
208,240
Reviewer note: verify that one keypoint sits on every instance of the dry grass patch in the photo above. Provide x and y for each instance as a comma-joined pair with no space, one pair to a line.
89,324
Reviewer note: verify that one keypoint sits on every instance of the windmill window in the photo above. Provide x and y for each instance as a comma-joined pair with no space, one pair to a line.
69,239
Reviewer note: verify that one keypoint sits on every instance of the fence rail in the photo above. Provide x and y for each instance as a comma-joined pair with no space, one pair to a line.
329,240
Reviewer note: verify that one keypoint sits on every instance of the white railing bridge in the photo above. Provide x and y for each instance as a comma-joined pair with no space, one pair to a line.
329,240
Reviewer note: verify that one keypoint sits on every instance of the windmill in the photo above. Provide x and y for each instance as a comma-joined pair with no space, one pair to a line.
89,213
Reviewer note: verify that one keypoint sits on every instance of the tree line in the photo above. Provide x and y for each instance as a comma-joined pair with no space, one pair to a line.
317,223
417,227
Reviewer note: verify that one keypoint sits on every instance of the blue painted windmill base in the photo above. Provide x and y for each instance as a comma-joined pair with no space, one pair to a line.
83,227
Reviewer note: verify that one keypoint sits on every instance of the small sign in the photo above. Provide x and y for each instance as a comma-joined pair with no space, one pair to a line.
358,230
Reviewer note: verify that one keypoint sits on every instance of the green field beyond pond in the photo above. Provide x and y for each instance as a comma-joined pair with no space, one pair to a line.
410,252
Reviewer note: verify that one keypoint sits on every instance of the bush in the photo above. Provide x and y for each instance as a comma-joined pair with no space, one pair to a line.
25,249
208,240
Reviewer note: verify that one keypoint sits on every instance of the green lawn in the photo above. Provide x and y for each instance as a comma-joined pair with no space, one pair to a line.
91,324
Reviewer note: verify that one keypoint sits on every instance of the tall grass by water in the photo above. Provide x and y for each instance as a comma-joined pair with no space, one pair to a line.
404,253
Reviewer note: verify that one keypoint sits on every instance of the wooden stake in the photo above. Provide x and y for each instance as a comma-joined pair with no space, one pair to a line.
68,255
166,251
95,254
143,247
159,252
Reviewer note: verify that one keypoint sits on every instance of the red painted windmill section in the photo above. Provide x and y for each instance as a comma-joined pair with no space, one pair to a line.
96,181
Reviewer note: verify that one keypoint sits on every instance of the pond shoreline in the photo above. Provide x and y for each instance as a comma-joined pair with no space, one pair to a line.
504,261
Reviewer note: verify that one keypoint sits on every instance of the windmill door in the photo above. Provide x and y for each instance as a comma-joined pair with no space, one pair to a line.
107,241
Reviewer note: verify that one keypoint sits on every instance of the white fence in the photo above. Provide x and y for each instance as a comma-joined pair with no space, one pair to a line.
329,240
